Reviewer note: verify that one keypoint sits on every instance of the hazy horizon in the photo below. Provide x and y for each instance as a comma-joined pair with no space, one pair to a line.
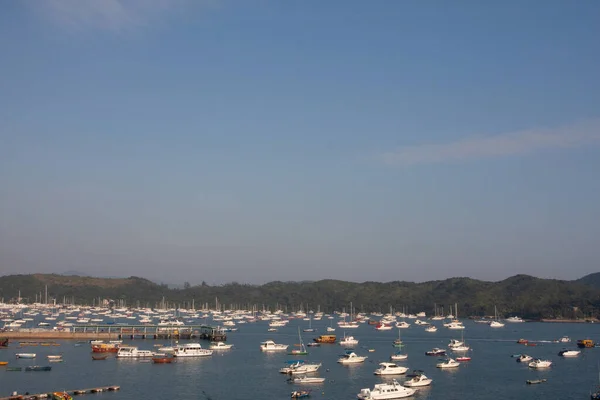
223,141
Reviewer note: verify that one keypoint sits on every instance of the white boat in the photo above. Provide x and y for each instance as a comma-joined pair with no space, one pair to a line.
448,363
565,339
351,358
191,350
348,341
455,343
269,345
398,356
431,328
300,367
385,391
54,357
523,358
496,323
25,355
306,379
133,352
514,319
569,353
330,329
461,348
418,380
455,325
220,346
387,368
402,325
537,363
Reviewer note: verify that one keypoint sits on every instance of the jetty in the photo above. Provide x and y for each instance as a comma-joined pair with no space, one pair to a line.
114,332
23,396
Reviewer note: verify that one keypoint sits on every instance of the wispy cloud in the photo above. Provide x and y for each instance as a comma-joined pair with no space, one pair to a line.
108,15
507,144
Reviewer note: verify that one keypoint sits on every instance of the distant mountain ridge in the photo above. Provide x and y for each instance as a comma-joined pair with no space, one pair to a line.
522,295
592,280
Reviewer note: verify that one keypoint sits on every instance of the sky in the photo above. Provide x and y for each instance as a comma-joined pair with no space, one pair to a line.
257,140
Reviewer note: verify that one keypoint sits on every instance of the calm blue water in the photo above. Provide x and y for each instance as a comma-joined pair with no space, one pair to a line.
245,372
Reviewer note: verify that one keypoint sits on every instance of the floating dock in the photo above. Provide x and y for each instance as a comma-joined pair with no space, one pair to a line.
113,332
71,392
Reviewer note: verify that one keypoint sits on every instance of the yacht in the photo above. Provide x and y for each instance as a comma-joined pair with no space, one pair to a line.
448,363
569,353
351,358
348,341
537,363
418,380
220,346
431,328
386,368
496,324
191,350
133,352
299,367
514,319
385,391
269,345
398,356
402,325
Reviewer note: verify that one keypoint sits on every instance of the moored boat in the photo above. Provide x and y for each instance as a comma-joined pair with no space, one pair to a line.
386,391
436,351
38,368
537,363
325,339
300,394
25,355
98,357
418,379
351,358
163,359
535,381
386,368
569,353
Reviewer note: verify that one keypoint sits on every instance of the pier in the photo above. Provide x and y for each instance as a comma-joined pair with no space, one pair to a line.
114,332
71,392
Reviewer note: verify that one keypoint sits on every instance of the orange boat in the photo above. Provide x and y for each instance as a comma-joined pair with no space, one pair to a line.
105,348
163,360
3,362
325,339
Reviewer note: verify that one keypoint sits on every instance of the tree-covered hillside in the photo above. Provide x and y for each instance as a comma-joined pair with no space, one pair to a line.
521,295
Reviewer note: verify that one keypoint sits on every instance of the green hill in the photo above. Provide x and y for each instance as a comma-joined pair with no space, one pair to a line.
521,295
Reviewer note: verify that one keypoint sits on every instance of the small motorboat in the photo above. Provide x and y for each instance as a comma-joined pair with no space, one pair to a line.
436,352
314,344
463,359
306,379
386,368
537,363
38,368
163,359
569,353
99,357
535,381
448,363
25,355
524,358
61,396
3,362
392,390
398,356
522,341
300,394
418,378
54,358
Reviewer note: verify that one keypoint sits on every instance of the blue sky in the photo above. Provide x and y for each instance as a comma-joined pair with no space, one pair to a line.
263,140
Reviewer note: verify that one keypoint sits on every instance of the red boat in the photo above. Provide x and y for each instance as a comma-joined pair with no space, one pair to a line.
163,360
522,341
465,358
3,342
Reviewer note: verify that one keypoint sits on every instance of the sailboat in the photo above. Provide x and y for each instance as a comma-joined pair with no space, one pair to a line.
310,328
398,342
300,349
330,328
495,323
